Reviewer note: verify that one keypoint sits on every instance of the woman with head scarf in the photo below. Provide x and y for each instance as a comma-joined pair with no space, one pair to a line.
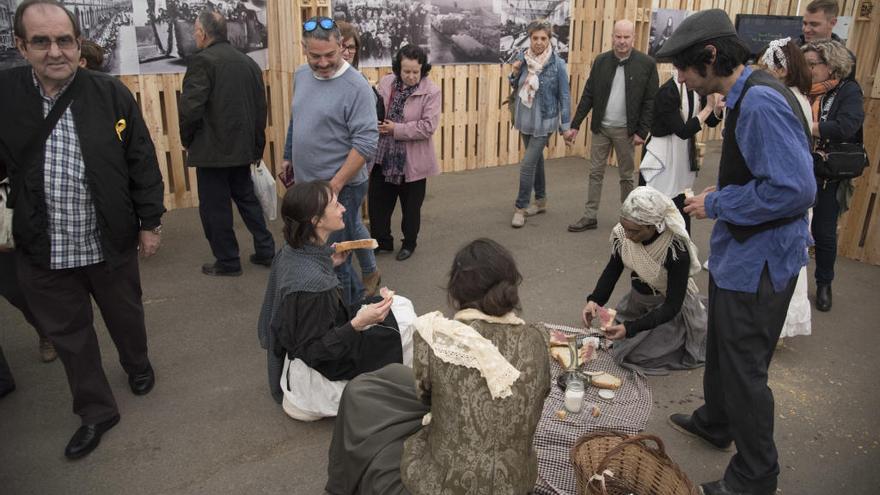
661,323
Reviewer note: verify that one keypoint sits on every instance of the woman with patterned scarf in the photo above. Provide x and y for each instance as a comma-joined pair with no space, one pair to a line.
663,318
542,106
405,158
838,114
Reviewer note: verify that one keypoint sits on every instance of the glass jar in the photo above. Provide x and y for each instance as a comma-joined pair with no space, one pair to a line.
574,395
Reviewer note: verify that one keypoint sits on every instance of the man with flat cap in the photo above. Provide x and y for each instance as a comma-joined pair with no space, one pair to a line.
758,244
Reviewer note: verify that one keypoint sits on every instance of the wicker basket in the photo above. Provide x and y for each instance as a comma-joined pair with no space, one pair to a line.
609,463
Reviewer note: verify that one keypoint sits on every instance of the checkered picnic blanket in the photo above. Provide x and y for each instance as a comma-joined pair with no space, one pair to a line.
627,413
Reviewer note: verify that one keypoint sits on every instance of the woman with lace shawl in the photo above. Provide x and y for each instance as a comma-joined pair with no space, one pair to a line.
462,420
661,323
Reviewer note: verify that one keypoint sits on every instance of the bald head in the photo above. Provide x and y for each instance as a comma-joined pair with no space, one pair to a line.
623,38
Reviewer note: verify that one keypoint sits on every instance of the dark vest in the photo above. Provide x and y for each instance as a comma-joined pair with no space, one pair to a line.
733,169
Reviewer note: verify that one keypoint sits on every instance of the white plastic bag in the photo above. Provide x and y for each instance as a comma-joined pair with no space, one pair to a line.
264,187
5,217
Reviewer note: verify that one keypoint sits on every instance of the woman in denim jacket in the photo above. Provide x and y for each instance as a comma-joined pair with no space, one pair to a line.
542,106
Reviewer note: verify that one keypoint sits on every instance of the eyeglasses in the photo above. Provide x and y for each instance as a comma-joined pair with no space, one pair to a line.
43,43
349,48
324,23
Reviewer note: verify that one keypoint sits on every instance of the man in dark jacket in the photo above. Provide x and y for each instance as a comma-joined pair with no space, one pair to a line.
222,124
87,194
620,92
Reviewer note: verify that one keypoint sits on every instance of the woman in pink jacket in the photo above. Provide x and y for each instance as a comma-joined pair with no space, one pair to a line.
405,158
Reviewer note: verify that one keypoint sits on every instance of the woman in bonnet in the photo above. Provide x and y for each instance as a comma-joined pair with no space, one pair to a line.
662,320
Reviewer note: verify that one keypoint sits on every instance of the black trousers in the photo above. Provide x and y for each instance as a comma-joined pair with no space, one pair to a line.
743,331
824,230
382,200
61,301
217,188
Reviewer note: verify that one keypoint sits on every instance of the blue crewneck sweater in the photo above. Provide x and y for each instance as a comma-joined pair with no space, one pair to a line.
329,117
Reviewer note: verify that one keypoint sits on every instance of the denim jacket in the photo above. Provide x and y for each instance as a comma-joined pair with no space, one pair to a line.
553,93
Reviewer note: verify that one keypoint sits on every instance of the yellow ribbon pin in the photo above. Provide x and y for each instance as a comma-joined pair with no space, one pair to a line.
120,126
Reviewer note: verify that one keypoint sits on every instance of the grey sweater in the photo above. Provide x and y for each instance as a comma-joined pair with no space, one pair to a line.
329,117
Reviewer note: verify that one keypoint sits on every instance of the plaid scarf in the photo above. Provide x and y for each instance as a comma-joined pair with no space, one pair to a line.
391,154
816,92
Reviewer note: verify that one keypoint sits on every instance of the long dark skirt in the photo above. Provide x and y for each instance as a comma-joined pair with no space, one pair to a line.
377,413
680,343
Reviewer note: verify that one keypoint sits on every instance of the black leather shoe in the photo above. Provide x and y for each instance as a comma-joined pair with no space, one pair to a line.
218,271
142,383
583,224
87,437
404,254
685,424
381,248
260,261
823,297
720,487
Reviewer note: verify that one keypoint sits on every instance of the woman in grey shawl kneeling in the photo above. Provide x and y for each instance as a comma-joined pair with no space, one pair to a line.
463,418
315,342
661,323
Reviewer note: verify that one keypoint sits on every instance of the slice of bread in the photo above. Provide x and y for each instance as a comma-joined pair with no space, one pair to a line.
562,356
606,380
344,246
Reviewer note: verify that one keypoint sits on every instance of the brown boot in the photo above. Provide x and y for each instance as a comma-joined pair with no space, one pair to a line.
371,283
47,351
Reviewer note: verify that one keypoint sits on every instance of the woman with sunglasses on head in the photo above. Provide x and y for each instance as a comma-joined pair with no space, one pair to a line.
542,106
315,342
838,113
406,157
462,420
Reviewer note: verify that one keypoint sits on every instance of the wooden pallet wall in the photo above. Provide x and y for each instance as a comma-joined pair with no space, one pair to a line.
475,130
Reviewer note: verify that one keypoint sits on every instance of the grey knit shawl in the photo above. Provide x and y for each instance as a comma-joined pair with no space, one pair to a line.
305,269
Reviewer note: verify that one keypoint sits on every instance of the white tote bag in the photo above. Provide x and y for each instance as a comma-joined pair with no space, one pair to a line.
5,217
264,187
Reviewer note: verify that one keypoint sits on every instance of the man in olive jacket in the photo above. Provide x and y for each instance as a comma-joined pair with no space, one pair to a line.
620,92
222,113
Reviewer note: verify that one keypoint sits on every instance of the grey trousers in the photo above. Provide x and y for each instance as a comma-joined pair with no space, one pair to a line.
601,147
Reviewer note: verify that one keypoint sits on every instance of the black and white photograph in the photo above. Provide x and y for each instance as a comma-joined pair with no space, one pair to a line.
516,16
465,31
164,30
108,23
663,24
384,26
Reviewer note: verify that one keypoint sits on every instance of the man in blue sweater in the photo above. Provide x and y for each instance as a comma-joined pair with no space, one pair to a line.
758,245
333,131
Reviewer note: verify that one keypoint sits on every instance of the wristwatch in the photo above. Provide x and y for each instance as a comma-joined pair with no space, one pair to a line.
156,230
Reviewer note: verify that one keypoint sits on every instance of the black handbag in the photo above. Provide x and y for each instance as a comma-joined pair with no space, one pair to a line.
838,161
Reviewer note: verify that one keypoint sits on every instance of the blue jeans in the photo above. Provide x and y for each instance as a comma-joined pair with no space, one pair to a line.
824,229
352,197
531,171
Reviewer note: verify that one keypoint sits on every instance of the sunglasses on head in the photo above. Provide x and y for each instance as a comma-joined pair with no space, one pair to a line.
324,23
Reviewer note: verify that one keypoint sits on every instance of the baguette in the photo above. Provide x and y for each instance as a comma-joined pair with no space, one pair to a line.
344,246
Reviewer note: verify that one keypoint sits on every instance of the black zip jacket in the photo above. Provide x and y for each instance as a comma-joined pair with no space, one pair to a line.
642,82
121,168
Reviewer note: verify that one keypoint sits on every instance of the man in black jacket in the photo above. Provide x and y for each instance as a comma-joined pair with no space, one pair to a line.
222,113
87,195
620,92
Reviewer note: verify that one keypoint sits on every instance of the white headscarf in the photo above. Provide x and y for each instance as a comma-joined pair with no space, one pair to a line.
775,48
648,206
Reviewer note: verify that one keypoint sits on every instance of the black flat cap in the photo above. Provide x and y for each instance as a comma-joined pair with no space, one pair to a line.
700,26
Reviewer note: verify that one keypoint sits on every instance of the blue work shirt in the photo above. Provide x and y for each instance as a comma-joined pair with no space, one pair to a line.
774,145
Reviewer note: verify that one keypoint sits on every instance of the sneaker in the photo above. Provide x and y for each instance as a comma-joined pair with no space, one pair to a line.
519,218
583,224
47,351
539,206
684,423
371,283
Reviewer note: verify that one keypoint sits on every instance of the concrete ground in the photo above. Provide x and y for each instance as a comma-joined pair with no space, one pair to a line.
210,426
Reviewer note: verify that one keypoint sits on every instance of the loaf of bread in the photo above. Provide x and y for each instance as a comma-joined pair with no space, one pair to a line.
605,380
344,246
